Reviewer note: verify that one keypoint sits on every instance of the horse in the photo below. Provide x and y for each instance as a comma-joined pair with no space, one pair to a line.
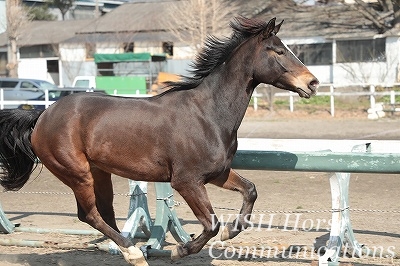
186,135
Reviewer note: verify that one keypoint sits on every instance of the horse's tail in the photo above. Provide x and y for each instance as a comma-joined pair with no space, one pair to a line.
17,159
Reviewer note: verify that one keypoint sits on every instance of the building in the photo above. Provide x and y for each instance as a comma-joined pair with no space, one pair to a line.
336,42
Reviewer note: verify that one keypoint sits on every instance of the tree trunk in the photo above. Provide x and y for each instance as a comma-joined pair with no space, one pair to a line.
12,65
17,18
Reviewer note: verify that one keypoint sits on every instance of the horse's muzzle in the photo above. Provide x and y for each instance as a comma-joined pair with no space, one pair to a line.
313,86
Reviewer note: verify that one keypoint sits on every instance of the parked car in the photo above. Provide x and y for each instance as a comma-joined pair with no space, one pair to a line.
84,82
55,95
15,89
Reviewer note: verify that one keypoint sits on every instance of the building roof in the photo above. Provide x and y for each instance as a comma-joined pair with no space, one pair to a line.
125,37
144,21
47,32
131,17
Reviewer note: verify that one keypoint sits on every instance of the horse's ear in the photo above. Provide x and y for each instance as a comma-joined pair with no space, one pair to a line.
269,28
277,27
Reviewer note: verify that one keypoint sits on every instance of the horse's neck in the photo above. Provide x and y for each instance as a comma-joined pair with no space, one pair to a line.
230,91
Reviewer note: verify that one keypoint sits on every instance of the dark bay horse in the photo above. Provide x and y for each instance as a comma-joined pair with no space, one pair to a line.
186,135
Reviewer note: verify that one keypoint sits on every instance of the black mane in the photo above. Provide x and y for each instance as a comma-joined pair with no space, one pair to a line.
217,50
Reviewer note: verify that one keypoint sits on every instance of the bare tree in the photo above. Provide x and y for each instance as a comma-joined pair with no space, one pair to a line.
17,18
385,14
192,20
63,5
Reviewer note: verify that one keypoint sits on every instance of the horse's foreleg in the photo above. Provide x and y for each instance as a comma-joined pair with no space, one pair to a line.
233,181
195,195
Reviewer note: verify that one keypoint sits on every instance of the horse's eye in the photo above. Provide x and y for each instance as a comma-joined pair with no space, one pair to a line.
279,51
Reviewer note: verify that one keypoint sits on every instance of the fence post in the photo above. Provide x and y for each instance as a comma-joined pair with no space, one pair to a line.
6,226
1,99
392,97
372,95
46,98
271,100
291,102
331,89
255,102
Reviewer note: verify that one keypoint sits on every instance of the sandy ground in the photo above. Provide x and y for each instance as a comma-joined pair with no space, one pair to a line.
293,208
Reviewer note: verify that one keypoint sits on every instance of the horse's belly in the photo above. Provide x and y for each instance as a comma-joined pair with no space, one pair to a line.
140,170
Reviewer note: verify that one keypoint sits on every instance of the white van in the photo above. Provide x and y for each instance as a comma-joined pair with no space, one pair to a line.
84,82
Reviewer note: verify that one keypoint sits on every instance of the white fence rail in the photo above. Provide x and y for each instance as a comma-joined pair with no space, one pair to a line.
372,93
332,93
47,102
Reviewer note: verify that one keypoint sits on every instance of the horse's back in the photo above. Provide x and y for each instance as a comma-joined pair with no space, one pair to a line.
67,122
83,103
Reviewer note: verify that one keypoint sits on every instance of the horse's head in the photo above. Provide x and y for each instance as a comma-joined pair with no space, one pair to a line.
277,65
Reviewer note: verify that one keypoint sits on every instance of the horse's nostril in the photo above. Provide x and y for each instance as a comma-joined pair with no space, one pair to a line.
314,83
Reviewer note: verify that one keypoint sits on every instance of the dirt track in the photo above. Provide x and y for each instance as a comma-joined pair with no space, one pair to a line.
279,193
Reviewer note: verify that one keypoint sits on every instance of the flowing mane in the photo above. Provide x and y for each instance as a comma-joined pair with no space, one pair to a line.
217,50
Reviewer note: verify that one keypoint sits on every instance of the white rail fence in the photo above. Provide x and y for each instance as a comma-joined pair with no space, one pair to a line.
47,102
372,93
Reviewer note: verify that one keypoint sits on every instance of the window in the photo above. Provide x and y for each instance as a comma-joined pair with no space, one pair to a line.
8,84
38,51
168,48
129,47
3,63
313,54
105,69
27,85
361,51
90,50
52,66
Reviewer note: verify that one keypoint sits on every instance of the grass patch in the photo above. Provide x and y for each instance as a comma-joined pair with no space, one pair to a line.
323,103
316,100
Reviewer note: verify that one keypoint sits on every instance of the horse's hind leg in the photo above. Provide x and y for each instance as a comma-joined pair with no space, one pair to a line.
80,179
85,196
233,181
104,194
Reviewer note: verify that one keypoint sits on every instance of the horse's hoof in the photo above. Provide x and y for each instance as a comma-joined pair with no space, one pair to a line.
134,256
178,252
225,234
175,254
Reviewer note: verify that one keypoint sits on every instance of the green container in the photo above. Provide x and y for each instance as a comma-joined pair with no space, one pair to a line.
122,85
